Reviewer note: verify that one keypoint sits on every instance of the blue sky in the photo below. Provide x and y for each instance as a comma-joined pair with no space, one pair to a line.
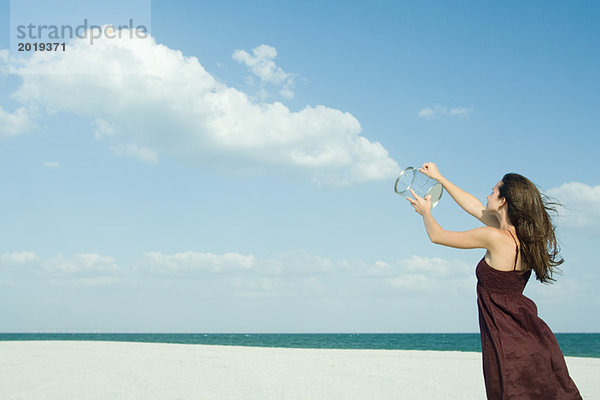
237,174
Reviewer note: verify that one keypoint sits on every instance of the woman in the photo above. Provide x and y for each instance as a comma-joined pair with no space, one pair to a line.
521,358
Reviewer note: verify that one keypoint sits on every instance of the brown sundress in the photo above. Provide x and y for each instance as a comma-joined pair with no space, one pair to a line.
521,357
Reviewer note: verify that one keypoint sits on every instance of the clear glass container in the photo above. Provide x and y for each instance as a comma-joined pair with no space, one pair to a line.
412,178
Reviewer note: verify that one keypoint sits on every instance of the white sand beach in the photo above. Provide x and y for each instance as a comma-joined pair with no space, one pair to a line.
64,370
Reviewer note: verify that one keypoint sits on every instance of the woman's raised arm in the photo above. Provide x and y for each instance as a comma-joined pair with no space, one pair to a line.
465,200
483,237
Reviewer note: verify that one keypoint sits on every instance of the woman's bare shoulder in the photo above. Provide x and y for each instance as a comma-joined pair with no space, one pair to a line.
501,255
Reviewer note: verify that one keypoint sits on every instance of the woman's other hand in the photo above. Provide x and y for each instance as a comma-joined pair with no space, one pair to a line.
420,204
431,170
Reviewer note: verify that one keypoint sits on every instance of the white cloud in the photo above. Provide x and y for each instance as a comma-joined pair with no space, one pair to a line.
81,263
144,155
460,111
427,274
18,258
248,276
443,111
412,282
189,262
165,102
51,164
432,267
301,274
15,123
261,63
581,205
7,283
91,282
84,269
286,91
295,264
102,128
435,266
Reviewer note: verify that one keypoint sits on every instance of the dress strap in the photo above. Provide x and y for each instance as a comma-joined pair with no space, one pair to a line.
517,252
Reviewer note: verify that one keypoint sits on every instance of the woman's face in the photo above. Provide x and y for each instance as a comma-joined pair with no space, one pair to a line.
493,199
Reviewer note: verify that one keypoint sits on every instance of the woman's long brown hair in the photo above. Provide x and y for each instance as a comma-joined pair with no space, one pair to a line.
528,210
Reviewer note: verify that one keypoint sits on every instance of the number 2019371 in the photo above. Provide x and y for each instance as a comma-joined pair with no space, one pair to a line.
41,46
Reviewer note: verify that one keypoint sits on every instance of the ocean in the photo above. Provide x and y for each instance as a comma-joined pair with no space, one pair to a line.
571,344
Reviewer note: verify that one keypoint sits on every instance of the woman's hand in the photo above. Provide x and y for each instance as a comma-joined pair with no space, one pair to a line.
421,205
431,170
